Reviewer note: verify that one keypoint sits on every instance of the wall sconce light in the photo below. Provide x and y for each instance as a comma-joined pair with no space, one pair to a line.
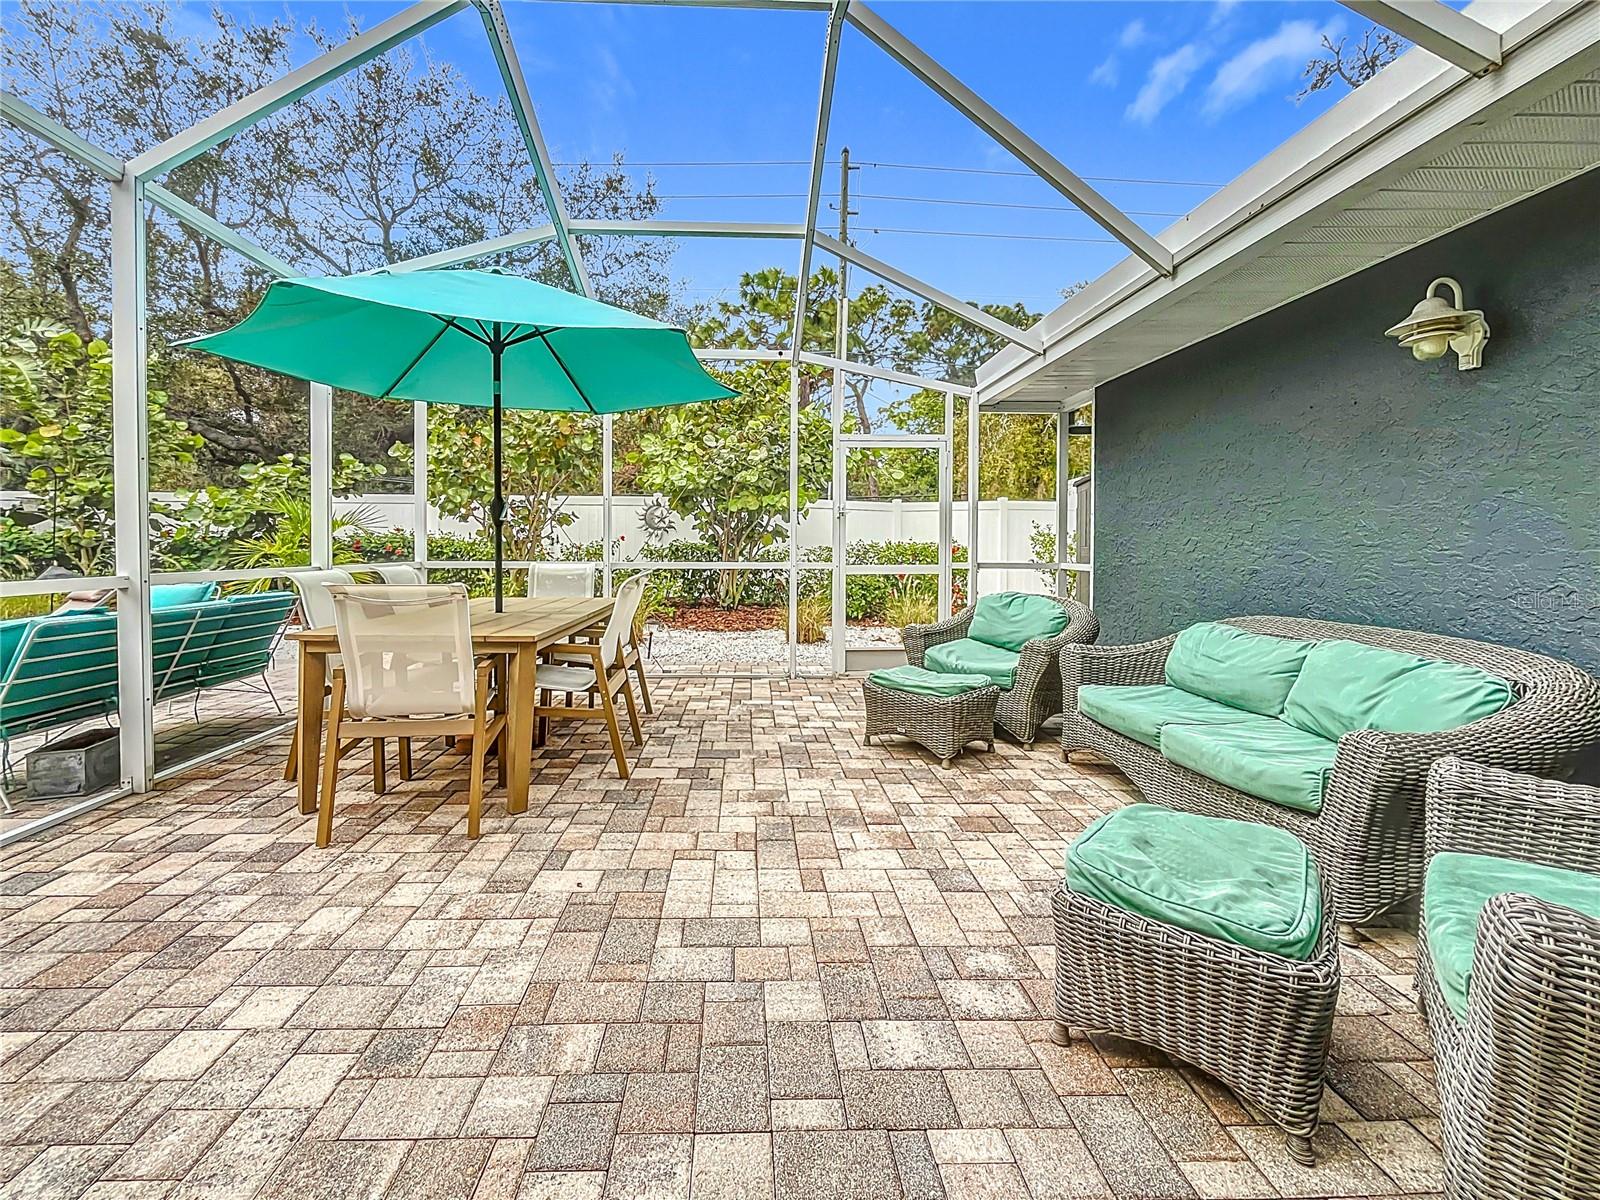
1436,326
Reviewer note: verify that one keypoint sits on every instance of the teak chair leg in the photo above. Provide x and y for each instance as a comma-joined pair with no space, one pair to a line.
405,758
380,783
330,766
644,688
616,732
633,712
291,769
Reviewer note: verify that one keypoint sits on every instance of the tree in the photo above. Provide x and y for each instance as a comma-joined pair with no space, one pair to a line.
1353,66
397,158
56,441
548,456
725,465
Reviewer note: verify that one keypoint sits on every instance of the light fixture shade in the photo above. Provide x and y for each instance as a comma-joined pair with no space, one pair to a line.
1436,326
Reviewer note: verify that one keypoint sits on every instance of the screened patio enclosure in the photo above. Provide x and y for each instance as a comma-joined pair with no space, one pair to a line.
813,556
980,544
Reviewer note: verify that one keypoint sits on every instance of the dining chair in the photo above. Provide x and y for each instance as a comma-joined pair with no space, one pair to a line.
561,579
632,655
316,612
595,668
397,573
409,671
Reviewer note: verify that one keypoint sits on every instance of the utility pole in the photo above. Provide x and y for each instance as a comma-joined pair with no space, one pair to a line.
842,321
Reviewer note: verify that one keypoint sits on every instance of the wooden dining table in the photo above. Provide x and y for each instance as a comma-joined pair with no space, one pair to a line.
517,633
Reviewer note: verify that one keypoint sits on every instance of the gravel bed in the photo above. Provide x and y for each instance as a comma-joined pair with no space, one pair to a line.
763,649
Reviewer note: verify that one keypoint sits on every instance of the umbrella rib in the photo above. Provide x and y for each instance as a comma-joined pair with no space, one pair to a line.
412,365
587,403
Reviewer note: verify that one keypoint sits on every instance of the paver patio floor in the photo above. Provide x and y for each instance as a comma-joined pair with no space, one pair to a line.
772,962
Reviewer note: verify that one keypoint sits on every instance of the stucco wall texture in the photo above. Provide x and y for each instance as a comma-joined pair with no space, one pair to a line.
1304,464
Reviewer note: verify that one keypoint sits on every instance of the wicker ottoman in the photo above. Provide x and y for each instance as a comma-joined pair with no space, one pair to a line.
1227,963
941,712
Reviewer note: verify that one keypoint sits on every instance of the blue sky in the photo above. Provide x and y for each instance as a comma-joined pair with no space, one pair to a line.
1184,92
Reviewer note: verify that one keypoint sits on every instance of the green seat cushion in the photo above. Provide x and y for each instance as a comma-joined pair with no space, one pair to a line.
1248,884
1454,893
1246,670
1348,685
170,595
11,634
1012,619
1268,759
927,683
1140,712
967,656
243,630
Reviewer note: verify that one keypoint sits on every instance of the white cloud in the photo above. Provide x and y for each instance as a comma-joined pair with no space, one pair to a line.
1169,75
1221,11
1262,63
1133,34
1107,73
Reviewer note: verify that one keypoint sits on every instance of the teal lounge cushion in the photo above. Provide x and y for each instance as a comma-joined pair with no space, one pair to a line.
927,683
1454,893
1012,619
1348,685
170,595
1140,712
11,634
968,656
1246,670
1248,884
1268,759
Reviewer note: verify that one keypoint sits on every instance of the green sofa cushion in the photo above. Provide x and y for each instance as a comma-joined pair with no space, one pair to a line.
927,683
1348,685
68,671
967,656
1454,893
171,595
1012,619
1246,670
1268,759
1248,884
1140,712
11,634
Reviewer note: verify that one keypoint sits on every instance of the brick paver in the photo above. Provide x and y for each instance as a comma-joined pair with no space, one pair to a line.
774,962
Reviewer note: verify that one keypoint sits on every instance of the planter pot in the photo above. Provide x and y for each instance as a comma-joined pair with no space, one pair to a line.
75,766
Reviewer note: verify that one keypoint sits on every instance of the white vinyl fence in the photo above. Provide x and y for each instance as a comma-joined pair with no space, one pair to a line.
1005,526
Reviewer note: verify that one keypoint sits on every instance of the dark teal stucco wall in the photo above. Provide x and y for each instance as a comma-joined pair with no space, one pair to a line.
1303,464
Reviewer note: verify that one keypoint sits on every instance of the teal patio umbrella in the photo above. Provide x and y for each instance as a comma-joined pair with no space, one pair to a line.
468,337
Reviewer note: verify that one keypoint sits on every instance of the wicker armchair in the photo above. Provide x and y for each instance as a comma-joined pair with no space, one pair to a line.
1035,693
1520,1107
1367,839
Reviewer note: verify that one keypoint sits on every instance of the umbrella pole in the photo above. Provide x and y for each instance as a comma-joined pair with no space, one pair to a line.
498,511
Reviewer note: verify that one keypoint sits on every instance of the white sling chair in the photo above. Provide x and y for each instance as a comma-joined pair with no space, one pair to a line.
561,579
316,610
409,671
597,668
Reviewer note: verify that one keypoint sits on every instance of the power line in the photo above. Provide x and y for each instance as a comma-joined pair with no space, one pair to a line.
890,166
1058,208
1004,237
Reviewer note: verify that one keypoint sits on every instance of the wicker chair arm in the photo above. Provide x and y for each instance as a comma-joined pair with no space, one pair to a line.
1040,654
1379,778
1536,985
918,638
1141,663
1475,809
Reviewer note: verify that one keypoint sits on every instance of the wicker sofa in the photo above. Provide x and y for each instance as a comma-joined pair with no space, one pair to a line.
1367,835
1035,692
1516,1055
